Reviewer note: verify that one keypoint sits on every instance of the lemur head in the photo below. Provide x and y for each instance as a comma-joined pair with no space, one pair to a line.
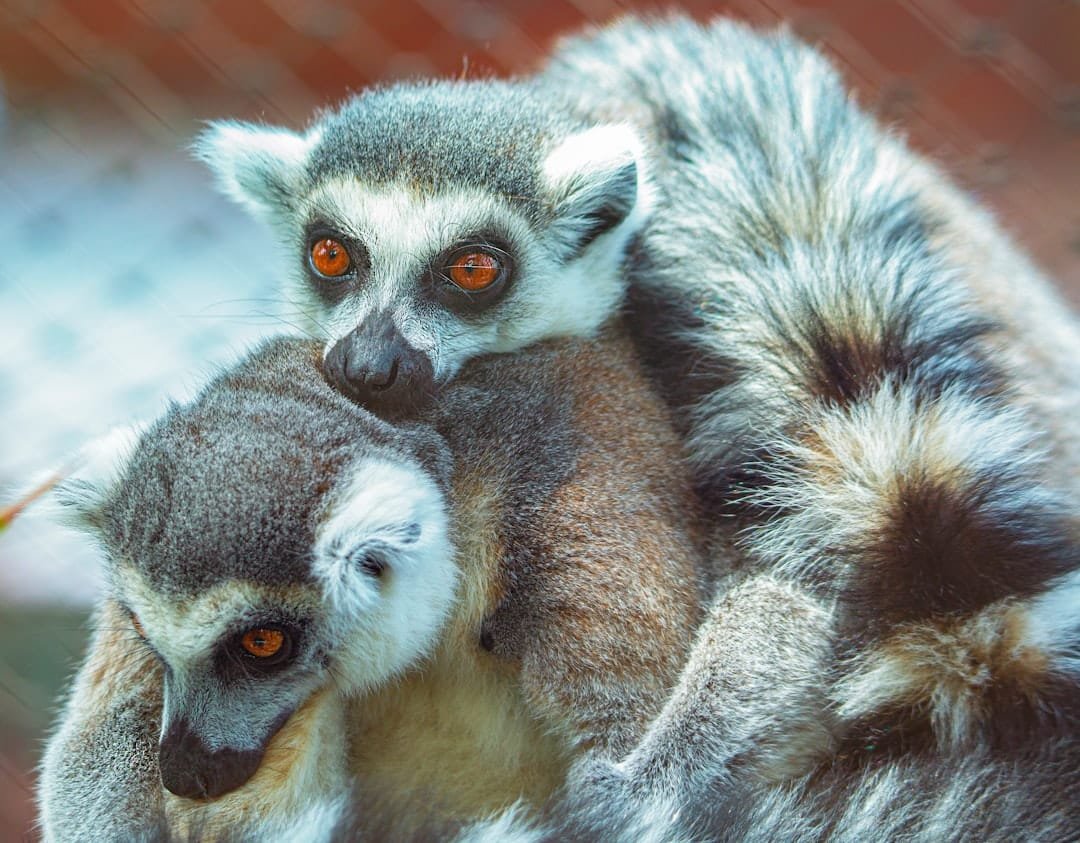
432,223
269,539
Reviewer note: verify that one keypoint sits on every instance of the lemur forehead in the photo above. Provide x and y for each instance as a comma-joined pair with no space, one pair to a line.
485,134
415,223
231,486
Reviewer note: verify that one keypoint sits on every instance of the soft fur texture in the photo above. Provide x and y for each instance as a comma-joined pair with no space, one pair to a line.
879,397
565,551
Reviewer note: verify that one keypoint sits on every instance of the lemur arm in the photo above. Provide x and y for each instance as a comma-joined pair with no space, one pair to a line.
99,776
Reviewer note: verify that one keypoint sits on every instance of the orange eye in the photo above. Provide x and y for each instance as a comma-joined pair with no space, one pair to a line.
330,258
475,271
263,643
138,626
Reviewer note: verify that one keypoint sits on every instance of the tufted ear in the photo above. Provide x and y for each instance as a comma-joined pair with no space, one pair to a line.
95,473
597,182
261,167
385,563
388,520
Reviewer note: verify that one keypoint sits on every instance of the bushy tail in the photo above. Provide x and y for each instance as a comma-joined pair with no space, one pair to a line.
852,407
861,431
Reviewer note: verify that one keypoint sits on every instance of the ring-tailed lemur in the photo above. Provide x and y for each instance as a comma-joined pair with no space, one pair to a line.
276,555
433,223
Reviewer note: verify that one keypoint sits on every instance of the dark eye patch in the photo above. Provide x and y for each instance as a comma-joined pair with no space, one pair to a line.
236,658
331,288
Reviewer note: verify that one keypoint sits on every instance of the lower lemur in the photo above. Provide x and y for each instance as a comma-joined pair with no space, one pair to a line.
299,592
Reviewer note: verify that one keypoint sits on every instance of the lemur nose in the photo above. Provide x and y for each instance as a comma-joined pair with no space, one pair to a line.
377,374
191,769
377,367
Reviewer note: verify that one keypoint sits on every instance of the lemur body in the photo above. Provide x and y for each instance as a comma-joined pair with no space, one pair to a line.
271,505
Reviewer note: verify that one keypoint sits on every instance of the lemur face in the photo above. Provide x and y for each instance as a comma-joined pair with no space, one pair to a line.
432,224
269,540
239,659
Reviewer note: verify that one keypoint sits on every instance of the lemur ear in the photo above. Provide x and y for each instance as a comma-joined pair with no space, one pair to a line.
258,166
94,474
598,181
387,518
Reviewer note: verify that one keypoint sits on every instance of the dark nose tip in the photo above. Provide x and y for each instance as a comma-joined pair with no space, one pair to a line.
191,769
377,373
377,368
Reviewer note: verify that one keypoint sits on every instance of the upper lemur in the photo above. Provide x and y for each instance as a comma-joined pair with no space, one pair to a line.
877,391
432,223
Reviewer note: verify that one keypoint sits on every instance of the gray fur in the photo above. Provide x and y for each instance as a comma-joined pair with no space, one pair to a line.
439,136
215,457
831,327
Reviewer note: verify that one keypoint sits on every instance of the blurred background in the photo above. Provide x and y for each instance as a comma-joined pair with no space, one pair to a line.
124,279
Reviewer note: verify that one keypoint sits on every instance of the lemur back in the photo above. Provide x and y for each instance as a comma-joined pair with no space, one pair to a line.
271,504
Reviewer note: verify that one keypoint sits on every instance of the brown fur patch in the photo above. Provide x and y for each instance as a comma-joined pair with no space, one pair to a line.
953,672
118,663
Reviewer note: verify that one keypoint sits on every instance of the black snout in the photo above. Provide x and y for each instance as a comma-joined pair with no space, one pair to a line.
375,367
190,769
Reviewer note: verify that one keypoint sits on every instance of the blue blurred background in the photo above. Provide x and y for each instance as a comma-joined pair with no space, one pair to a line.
124,279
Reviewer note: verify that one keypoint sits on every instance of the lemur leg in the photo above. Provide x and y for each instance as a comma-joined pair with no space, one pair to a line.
752,696
99,777
751,702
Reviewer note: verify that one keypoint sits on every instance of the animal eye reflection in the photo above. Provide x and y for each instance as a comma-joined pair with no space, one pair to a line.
474,270
330,258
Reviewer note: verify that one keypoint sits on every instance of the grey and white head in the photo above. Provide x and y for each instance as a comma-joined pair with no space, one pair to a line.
432,223
269,540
